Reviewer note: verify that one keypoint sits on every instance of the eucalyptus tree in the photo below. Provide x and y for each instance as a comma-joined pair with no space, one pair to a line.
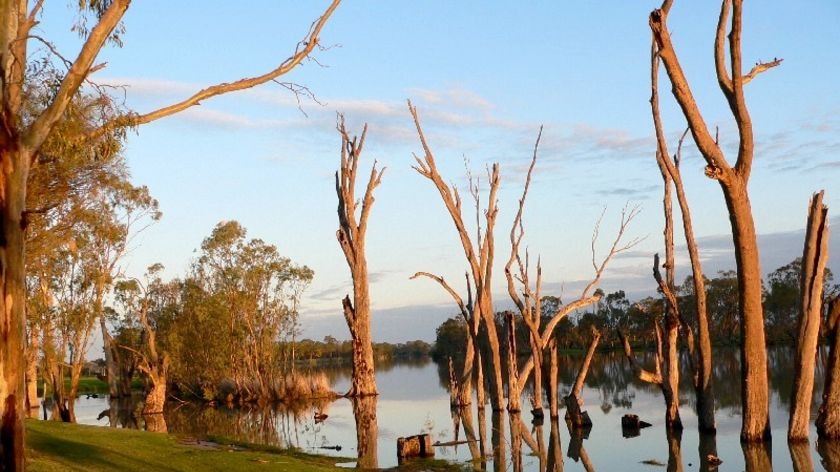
21,140
247,293
62,188
143,303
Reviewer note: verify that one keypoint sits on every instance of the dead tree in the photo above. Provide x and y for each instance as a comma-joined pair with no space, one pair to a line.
529,305
479,254
574,401
461,397
666,373
828,420
733,180
351,237
814,258
701,353
543,336
21,140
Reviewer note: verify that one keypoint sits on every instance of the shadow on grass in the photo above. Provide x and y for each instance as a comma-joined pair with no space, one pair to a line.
74,454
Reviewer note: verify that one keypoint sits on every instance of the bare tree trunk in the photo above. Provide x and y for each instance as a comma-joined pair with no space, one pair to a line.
463,395
663,374
351,238
755,394
13,322
733,181
701,356
112,360
707,448
537,398
553,394
32,350
479,255
514,388
466,380
814,258
671,372
828,420
574,401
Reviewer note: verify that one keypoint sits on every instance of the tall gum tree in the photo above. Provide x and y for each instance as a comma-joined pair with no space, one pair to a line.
733,180
20,143
351,237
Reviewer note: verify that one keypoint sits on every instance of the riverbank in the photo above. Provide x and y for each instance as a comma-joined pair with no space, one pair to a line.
54,446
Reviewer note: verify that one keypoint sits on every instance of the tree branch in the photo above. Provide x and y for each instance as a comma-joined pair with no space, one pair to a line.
36,133
302,51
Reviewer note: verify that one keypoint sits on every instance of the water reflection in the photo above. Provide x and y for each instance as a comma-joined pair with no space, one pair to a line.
800,455
367,436
829,454
757,457
413,401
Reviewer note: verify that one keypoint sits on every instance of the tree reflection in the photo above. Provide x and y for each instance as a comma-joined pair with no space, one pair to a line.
800,455
577,452
364,410
707,449
499,442
464,416
829,454
122,412
674,436
554,459
757,457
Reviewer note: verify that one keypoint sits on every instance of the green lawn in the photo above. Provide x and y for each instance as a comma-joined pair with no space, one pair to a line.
54,446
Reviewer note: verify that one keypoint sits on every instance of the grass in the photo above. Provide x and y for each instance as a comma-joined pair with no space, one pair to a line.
90,384
54,446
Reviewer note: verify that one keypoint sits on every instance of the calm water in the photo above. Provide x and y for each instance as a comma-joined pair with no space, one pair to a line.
413,400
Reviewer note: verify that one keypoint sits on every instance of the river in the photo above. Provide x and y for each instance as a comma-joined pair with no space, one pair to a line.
413,400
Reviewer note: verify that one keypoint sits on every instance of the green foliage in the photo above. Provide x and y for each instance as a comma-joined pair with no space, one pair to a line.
235,312
635,319
450,340
332,350
782,303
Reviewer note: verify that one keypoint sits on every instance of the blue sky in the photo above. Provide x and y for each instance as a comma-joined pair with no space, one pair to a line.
484,76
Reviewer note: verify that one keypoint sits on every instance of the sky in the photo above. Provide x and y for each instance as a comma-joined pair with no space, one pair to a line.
484,77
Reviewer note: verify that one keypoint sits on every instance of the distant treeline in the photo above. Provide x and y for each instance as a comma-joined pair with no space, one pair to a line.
333,350
635,318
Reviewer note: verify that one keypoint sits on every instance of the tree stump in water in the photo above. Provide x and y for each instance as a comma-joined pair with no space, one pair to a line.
415,446
631,426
